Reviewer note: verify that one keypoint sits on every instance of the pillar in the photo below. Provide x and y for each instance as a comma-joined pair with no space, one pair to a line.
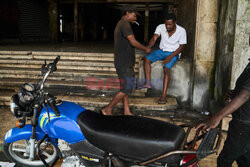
204,51
241,40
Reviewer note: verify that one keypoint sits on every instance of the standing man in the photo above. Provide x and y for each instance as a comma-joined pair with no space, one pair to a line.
173,39
124,48
237,144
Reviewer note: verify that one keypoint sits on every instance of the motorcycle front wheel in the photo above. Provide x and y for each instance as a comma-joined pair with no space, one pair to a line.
18,152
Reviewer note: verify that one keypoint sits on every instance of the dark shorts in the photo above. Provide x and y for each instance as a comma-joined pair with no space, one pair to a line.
127,79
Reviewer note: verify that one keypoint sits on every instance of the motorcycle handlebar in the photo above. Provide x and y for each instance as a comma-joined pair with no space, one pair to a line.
49,69
56,60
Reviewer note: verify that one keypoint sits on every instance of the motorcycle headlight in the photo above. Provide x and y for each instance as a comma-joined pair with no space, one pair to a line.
14,107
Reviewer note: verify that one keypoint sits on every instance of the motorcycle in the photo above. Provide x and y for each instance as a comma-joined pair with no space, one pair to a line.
51,131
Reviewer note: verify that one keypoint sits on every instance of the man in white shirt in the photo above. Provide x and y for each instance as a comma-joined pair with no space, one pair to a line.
173,39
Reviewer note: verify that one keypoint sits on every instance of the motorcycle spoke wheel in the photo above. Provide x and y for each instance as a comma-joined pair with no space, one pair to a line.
19,153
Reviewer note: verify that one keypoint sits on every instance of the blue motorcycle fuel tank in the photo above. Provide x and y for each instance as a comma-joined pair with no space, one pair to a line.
65,126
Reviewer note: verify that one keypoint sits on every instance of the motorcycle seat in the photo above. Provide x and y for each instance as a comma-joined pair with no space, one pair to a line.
130,136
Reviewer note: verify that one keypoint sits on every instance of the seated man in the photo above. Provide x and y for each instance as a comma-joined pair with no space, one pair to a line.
173,39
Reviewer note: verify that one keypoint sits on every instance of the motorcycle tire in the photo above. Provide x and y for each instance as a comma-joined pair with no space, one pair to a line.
18,153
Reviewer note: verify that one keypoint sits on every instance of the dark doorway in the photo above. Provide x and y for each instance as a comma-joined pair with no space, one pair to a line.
96,22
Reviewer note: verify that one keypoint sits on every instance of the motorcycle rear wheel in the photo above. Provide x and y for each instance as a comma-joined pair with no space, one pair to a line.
18,152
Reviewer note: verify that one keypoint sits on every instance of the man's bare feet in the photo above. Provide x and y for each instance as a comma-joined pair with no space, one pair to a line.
145,86
105,111
162,100
128,113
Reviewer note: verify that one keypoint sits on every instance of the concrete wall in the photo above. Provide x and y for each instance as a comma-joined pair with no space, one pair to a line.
241,40
204,53
179,85
233,45
225,47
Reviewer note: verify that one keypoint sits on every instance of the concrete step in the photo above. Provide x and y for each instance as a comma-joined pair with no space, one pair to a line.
86,67
106,87
59,72
56,53
71,78
10,83
95,103
64,56
39,62
60,67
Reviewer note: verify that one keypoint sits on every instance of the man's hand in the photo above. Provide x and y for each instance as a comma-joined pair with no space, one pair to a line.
209,124
167,59
147,50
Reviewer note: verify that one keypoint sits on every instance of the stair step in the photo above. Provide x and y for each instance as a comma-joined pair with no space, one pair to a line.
109,57
60,67
69,64
74,70
13,82
61,62
92,103
73,87
59,72
63,54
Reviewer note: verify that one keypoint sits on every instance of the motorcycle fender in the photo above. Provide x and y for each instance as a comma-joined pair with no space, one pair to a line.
24,133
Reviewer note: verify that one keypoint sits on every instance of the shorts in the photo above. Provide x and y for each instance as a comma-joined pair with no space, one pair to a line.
161,55
127,79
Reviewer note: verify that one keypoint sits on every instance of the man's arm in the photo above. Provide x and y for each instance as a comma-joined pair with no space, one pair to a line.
136,44
169,58
214,121
153,40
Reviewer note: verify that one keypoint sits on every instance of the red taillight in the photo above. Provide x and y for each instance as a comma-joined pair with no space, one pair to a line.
188,158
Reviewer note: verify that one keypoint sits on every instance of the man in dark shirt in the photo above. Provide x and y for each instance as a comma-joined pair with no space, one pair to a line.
124,44
237,144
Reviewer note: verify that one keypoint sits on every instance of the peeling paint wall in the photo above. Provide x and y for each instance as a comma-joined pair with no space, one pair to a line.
241,41
233,45
225,47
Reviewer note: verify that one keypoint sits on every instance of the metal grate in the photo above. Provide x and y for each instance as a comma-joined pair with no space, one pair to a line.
34,20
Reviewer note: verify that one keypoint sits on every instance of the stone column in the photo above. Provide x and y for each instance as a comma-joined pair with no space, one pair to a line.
204,51
53,20
75,21
241,52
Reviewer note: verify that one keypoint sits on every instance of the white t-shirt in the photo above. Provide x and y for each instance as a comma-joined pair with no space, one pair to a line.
172,43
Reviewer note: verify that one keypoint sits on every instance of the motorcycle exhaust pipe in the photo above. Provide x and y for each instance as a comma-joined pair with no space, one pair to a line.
117,162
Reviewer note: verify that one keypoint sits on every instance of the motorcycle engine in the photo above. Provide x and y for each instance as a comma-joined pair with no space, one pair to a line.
72,161
69,157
